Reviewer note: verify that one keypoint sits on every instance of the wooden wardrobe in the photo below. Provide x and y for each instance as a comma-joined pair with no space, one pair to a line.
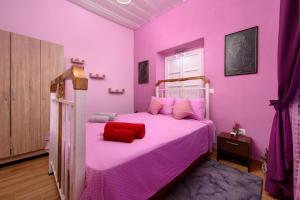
27,66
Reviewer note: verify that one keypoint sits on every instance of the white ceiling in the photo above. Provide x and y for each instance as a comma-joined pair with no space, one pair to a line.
132,15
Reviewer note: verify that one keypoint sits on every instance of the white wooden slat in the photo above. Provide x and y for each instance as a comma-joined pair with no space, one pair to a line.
186,64
77,173
136,7
66,147
67,120
52,129
55,137
98,9
63,166
123,11
207,101
64,101
133,15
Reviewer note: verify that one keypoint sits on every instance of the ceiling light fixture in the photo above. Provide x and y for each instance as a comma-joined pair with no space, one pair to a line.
124,1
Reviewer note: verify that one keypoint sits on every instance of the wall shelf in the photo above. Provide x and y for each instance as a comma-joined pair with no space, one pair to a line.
97,76
77,61
116,91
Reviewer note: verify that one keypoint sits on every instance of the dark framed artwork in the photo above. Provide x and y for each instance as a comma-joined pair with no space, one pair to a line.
241,52
144,72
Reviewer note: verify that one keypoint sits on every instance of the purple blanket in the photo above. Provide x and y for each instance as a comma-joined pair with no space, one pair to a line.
136,171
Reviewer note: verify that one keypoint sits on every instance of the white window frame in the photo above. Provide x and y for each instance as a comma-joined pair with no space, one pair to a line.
180,58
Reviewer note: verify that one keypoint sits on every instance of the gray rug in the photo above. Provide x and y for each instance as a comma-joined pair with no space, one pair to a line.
212,180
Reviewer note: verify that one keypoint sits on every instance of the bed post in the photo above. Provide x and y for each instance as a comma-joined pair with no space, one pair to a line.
52,127
78,140
157,91
69,173
207,92
77,168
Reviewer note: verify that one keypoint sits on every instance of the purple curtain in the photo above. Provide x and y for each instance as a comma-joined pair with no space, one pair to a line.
279,181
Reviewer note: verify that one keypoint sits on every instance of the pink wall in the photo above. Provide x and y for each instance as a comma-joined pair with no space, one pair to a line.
106,46
240,98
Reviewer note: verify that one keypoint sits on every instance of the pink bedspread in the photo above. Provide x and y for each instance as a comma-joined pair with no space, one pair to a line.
136,171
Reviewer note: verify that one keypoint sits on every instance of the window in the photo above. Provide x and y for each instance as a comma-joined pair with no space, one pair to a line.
187,64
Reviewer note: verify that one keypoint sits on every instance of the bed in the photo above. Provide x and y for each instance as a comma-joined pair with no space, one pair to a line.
138,170
87,167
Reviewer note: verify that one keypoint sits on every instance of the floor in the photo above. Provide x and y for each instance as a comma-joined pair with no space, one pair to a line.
254,169
29,180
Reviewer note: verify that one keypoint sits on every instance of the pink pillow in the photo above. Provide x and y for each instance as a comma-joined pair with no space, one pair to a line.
155,106
182,109
198,106
167,105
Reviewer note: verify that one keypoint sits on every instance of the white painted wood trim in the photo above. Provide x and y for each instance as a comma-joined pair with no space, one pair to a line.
61,195
77,173
75,113
132,15
52,131
182,65
64,101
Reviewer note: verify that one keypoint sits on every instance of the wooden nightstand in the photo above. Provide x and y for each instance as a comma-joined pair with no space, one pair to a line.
237,149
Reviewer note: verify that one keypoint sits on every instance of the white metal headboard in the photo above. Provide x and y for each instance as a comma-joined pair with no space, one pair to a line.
191,91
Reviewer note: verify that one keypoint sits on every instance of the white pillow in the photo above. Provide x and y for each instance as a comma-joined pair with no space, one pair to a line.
98,119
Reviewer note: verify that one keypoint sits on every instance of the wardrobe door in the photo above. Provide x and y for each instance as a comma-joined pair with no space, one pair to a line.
52,65
4,94
26,133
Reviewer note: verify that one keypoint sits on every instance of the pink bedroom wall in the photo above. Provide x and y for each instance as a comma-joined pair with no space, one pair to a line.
106,46
244,98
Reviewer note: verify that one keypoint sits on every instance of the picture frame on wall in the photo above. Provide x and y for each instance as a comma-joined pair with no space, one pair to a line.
143,72
241,50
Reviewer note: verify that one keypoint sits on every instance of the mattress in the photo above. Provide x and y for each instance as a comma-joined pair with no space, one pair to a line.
136,171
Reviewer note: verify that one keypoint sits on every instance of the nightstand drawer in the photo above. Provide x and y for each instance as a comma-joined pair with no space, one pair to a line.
235,147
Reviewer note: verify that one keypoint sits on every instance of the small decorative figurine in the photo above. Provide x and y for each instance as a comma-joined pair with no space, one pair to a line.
236,129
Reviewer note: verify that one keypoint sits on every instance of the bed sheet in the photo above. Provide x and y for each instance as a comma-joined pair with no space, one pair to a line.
136,171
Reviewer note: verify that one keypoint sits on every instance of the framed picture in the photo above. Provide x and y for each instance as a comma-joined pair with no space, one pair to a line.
144,72
241,52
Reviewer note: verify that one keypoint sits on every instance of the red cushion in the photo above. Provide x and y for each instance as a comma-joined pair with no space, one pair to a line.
139,129
120,135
